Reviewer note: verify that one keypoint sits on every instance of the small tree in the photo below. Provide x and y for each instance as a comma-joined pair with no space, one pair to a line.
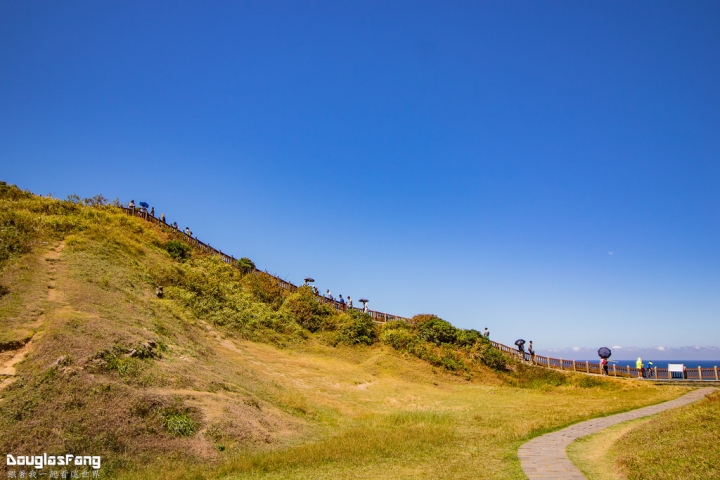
246,265
178,250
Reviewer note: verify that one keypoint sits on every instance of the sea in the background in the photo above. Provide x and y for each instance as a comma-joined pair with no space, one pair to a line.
664,363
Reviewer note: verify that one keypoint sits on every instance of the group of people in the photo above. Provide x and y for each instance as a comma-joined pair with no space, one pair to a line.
162,217
521,349
342,303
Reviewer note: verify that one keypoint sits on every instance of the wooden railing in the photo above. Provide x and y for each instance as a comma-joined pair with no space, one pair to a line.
614,370
584,366
378,317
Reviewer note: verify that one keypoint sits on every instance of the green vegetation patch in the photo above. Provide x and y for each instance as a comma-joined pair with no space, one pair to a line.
679,443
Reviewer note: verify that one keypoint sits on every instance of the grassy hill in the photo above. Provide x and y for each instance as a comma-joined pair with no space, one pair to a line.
231,376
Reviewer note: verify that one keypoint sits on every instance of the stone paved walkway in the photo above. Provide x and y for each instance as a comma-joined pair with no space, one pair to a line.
544,457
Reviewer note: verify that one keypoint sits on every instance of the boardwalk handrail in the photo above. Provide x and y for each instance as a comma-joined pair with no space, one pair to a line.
614,370
582,366
378,317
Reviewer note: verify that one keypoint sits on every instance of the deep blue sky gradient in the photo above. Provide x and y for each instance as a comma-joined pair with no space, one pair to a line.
477,160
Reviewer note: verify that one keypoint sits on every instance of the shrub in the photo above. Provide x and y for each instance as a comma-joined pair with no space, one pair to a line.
467,338
437,331
483,352
306,310
450,360
358,329
246,265
17,233
264,289
397,334
178,250
180,424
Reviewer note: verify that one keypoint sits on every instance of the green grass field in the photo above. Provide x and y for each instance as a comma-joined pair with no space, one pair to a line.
229,376
680,443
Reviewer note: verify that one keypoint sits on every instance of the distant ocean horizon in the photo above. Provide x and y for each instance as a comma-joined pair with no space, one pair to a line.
664,363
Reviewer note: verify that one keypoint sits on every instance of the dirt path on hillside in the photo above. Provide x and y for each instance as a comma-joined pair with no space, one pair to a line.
12,357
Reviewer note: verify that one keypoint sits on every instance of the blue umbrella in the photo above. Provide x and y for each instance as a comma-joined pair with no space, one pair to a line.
144,204
604,352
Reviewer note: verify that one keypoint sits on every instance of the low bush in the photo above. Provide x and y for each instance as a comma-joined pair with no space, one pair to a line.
305,309
437,331
246,265
397,334
180,424
178,250
357,329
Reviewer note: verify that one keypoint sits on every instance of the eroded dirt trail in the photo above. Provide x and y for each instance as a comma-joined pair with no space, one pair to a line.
17,353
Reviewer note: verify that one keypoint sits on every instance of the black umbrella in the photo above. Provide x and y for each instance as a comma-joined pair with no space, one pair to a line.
604,352
363,300
309,280
520,342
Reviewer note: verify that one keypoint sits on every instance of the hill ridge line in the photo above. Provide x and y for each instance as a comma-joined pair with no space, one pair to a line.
703,375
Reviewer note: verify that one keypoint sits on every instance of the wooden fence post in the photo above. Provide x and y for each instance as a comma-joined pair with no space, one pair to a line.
716,373
614,371
561,365
700,372
587,366
656,373
574,369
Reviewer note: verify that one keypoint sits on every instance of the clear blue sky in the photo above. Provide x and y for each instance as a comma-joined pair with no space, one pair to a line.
477,160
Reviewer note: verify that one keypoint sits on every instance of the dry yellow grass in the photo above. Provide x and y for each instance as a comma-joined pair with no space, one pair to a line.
296,408
596,455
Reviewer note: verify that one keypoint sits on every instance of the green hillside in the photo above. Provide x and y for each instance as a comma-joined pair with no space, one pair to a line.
229,375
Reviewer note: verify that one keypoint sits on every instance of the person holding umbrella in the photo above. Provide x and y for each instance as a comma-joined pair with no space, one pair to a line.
521,347
364,301
604,353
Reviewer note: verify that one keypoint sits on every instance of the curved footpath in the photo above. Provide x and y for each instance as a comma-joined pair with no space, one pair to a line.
545,457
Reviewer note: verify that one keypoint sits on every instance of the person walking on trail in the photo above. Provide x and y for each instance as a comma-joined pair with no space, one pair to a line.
349,302
487,333
521,348
341,301
640,367
162,217
328,295
188,232
604,363
531,352
152,211
366,309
